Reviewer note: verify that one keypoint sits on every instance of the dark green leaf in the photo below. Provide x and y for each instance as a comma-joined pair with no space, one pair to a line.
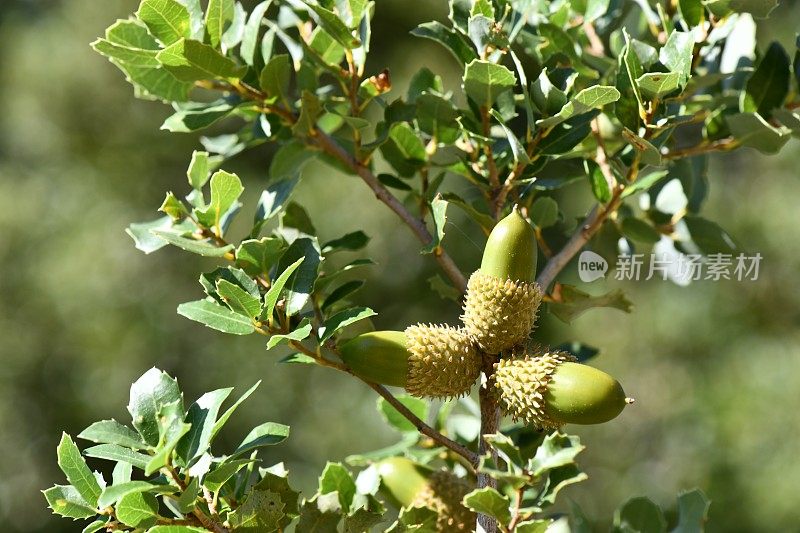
343,319
569,302
341,292
267,434
332,24
453,41
692,11
439,214
417,406
352,242
137,509
217,477
489,502
639,515
750,129
112,432
202,416
567,135
276,76
289,160
769,85
485,81
639,230
394,182
438,118
444,289
336,478
708,236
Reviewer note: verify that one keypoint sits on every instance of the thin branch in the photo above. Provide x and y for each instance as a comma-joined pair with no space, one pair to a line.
422,427
490,424
601,157
722,145
417,226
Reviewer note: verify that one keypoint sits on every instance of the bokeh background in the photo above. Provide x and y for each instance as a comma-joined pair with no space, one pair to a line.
715,367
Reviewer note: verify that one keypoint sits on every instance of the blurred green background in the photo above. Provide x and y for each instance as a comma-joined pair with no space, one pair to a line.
715,367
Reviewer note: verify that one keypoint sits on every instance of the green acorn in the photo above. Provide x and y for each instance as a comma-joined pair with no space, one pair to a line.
550,389
428,361
413,485
502,296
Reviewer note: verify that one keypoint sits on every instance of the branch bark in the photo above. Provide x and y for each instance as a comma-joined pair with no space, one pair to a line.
382,193
490,423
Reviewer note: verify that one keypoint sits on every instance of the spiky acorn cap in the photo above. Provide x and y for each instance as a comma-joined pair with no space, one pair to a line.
444,493
443,362
499,313
523,379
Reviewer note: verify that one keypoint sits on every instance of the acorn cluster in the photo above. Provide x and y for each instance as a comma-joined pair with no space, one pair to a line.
541,387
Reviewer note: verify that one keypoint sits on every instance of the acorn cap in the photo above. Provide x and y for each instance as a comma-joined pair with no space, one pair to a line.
499,314
550,389
443,362
444,494
523,380
412,485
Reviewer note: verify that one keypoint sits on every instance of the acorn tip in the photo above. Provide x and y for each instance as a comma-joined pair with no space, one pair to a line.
629,400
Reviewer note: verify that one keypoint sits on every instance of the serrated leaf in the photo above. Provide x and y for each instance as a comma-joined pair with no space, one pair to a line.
555,451
639,515
215,316
485,81
189,60
256,257
590,98
557,479
439,215
217,477
148,395
168,20
336,478
219,16
316,520
138,509
112,432
343,319
65,500
570,302
78,474
489,502
114,452
261,511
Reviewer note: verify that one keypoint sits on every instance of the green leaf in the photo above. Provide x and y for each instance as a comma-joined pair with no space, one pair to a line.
649,153
517,149
692,512
544,212
310,109
336,478
65,500
571,302
95,526
750,129
547,98
443,289
261,511
219,16
658,84
439,215
216,478
298,359
708,236
394,182
235,31
557,479
692,11
313,518
343,319
485,81
352,242
121,473
168,20
238,299
256,257
417,406
188,120
600,186
205,248
113,494
591,98
453,41
676,54
149,394
483,219
438,118
639,230
78,474
247,50
232,409
489,502
639,515
273,199
215,316
267,434
226,189
644,183
302,331
595,9
555,451
189,60
199,170
114,452
567,135
271,298
137,509
176,529
300,284
758,8
202,416
409,145
341,292
533,526
332,24
769,85
142,237
276,76
629,68
112,432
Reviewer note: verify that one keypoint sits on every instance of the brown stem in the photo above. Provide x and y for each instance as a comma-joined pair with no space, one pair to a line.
422,427
722,145
382,193
490,424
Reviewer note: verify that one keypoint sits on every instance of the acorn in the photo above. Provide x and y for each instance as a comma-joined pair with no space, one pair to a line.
502,296
551,389
413,485
428,361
